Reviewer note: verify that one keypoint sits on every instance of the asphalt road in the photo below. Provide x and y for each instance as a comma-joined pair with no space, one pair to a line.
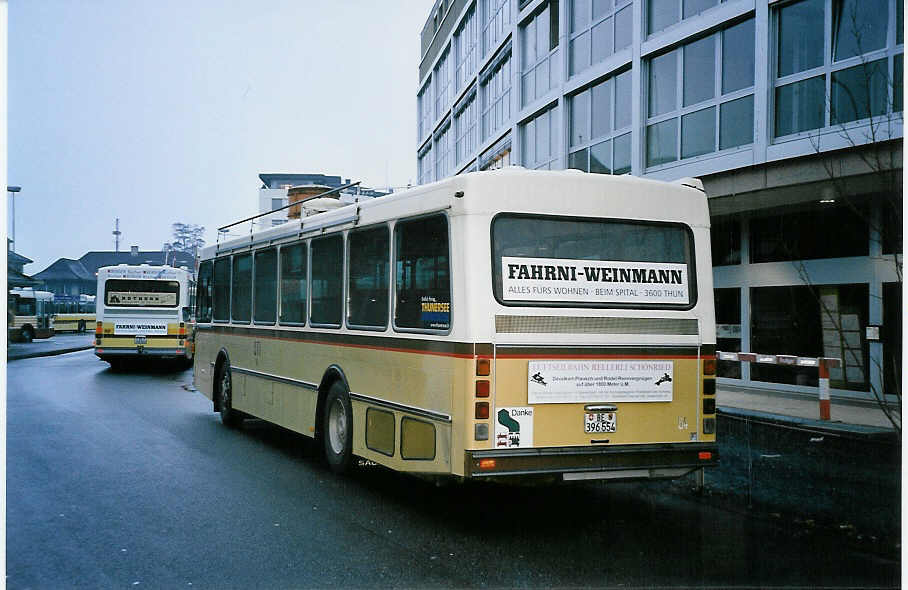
124,480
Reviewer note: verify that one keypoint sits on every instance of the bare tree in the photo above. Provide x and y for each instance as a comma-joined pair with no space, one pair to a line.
187,237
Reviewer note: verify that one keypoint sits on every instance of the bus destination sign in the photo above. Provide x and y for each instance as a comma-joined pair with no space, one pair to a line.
593,281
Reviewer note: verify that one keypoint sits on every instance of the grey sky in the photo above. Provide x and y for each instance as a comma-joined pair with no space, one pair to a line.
165,111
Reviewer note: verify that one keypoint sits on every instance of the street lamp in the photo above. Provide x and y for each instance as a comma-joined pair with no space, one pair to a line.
12,190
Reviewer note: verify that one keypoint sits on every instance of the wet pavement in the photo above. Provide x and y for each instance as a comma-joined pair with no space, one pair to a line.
128,479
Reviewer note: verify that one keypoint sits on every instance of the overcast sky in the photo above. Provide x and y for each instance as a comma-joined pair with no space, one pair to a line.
164,111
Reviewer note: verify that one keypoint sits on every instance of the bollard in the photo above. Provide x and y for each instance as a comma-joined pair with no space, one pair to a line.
824,390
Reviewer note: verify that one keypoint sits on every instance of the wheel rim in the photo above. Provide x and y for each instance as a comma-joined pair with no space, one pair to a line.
225,391
337,427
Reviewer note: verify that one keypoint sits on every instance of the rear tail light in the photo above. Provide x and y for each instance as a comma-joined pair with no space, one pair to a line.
709,366
482,388
486,464
705,455
483,367
182,330
99,328
482,410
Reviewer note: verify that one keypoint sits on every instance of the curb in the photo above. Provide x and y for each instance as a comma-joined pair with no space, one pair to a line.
839,429
28,355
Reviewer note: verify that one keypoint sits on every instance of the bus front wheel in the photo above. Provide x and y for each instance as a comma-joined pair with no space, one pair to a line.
337,429
229,416
28,334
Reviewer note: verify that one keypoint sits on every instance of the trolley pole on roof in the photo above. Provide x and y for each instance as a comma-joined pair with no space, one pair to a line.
116,233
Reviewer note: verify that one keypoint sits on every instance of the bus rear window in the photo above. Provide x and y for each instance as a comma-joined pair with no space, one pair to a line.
141,293
582,262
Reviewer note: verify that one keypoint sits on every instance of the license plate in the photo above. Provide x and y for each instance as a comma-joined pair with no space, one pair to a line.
140,339
600,422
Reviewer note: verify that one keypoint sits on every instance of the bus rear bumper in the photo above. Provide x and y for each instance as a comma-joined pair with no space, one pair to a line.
171,353
651,461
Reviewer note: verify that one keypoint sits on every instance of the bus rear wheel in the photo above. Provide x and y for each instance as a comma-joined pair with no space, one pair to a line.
337,429
229,417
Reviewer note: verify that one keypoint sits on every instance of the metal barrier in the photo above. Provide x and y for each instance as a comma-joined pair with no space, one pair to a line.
823,364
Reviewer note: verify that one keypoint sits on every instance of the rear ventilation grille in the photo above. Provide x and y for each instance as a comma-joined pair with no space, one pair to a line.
518,324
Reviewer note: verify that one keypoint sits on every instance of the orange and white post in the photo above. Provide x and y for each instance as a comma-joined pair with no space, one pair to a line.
824,389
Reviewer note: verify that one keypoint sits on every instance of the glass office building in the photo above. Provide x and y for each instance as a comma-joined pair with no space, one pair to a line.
789,111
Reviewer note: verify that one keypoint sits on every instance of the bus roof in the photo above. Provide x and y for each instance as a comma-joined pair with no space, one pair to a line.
142,271
512,189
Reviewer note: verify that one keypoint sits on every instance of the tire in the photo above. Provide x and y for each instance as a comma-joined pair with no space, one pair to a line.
28,334
81,326
337,429
229,417
116,364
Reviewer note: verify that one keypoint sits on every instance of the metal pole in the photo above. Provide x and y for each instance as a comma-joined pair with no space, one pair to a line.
12,190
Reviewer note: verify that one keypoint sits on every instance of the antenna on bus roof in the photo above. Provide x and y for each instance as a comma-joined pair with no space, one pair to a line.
223,229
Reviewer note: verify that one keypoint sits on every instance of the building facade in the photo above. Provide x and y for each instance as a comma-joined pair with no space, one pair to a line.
789,111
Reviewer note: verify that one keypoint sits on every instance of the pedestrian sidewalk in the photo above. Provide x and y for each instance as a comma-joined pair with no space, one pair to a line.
802,407
56,344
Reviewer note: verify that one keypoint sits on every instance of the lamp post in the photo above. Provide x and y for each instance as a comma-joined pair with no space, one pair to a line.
12,190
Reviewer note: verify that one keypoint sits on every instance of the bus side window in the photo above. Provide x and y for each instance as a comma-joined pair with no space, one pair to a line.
422,281
221,289
368,277
203,293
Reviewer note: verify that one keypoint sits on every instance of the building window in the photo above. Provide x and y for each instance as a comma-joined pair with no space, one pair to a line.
539,140
466,129
496,97
599,29
661,14
424,108
444,91
277,204
424,164
496,18
725,239
444,153
804,235
600,127
811,320
728,329
541,67
497,156
693,109
467,56
849,62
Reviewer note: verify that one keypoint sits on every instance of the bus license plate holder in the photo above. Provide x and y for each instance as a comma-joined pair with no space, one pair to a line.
600,422
141,340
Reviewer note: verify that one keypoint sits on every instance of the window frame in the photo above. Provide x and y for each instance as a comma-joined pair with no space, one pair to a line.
613,133
277,284
691,264
591,23
199,301
343,237
233,261
680,111
890,51
229,260
280,278
466,130
551,57
393,286
495,89
389,277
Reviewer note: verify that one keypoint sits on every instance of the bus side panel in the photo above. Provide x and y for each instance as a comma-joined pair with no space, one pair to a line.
206,354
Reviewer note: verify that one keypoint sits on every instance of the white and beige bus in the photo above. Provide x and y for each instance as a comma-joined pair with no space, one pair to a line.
29,314
494,324
144,312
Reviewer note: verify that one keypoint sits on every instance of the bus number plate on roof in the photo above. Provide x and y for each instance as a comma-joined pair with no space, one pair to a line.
600,422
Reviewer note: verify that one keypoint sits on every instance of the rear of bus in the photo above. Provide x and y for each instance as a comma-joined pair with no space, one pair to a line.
602,356
142,312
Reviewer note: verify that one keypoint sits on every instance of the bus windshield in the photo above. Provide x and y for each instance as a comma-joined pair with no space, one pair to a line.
561,261
141,293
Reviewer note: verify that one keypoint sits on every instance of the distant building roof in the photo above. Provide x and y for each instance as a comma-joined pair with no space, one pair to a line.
275,180
65,269
85,267
13,258
15,278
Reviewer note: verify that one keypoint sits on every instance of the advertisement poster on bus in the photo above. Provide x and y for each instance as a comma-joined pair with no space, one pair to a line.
595,381
552,280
